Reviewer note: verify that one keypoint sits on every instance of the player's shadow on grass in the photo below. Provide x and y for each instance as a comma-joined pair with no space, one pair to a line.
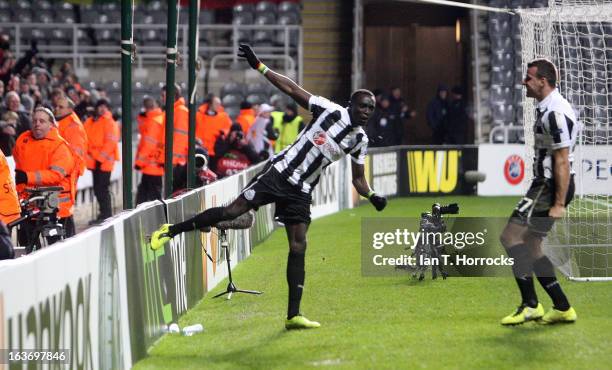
531,340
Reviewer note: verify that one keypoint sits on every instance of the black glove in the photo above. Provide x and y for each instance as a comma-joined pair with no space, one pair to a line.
246,52
378,202
137,167
98,165
20,177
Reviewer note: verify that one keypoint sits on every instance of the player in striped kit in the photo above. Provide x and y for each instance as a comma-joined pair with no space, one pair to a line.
289,177
551,190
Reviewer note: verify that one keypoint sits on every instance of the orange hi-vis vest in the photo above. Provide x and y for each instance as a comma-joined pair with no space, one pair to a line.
9,202
180,144
47,162
209,127
150,152
246,118
103,138
72,130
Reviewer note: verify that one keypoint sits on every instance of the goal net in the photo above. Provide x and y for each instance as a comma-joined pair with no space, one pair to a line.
577,36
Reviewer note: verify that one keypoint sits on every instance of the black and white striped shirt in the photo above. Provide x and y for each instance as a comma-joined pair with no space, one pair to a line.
327,138
556,127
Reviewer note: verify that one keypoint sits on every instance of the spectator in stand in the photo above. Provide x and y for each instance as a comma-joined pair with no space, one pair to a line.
43,81
8,134
211,121
262,134
150,153
1,92
13,104
437,111
457,120
84,108
43,158
385,125
246,116
180,143
102,153
288,124
233,153
7,59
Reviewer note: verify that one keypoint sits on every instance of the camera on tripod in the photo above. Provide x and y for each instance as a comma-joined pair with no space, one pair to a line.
38,224
430,247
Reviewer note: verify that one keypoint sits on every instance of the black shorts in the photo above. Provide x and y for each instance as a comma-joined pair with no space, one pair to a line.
532,210
269,186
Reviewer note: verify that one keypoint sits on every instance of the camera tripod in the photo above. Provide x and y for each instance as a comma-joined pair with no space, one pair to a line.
231,287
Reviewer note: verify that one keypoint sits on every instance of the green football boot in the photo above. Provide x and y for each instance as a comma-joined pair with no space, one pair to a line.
160,237
300,322
554,316
523,314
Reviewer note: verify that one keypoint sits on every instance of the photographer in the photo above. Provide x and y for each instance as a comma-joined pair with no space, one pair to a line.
203,175
233,153
43,158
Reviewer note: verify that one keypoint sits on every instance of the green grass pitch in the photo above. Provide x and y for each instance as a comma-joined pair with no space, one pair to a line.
388,322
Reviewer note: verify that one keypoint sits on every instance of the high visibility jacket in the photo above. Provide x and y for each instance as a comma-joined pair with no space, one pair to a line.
150,152
47,162
245,119
209,127
103,139
9,202
287,131
180,144
72,130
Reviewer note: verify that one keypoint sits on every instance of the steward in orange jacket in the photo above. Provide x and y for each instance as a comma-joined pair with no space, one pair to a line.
180,143
72,130
211,121
246,117
102,153
150,153
43,158
10,210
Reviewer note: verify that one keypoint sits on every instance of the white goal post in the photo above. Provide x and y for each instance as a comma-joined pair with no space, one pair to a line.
577,36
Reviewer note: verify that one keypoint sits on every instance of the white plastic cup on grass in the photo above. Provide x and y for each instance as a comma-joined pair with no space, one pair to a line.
192,329
174,328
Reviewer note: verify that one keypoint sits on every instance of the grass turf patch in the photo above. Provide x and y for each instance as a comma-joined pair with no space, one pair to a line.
386,322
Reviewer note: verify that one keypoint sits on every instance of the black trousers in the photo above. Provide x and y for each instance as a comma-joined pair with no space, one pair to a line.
101,186
150,188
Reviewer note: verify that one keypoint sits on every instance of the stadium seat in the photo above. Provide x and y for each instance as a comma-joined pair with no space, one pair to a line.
153,37
157,5
263,37
89,16
109,17
500,94
279,100
64,16
59,37
43,4
265,19
257,98
5,5
5,16
23,4
258,88
242,9
265,7
288,18
107,37
232,88
43,16
83,37
502,77
289,7
159,17
22,16
231,100
232,111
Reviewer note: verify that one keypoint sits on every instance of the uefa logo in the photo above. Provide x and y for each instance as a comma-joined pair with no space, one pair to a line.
514,169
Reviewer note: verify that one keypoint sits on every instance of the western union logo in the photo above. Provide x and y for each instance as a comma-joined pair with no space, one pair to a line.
433,171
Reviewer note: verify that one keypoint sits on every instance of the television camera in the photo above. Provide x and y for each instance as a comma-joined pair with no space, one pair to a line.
38,223
430,247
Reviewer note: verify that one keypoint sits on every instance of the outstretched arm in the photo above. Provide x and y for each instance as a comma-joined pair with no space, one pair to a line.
283,83
361,185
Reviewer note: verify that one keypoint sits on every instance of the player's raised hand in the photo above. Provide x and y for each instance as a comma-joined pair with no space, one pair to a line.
245,51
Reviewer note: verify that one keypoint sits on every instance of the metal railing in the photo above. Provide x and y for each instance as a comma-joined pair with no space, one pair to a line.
80,53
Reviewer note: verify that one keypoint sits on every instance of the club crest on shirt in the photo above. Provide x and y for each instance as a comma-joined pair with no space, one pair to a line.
319,138
249,194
